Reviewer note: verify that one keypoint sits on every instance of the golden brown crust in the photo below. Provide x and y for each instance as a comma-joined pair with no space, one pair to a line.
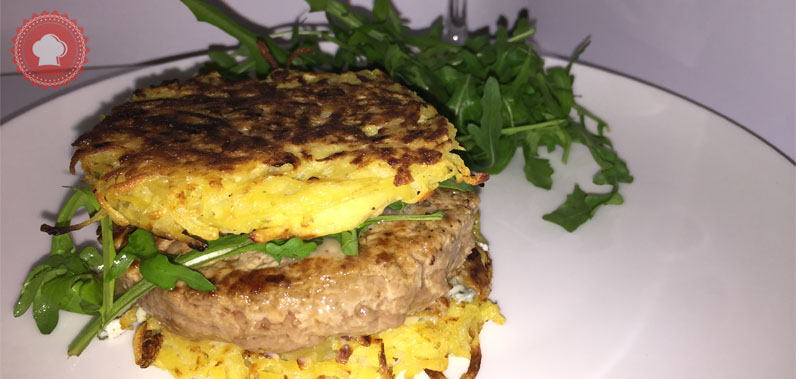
295,155
475,360
215,124
385,371
146,345
477,273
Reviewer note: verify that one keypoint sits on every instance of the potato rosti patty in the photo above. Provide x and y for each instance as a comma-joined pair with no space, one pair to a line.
295,155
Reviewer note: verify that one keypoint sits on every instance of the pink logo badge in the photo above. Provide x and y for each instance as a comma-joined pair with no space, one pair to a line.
49,49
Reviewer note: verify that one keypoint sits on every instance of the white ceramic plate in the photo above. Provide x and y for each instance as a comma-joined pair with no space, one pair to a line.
693,277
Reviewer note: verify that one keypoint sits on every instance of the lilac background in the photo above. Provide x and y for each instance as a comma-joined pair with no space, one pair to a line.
735,57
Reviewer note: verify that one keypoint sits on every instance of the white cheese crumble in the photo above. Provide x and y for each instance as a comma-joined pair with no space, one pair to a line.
140,315
483,246
460,293
113,330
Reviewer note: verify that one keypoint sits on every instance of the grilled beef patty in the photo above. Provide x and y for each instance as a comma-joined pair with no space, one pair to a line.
402,267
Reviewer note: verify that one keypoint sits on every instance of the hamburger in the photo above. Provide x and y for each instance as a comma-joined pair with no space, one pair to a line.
344,162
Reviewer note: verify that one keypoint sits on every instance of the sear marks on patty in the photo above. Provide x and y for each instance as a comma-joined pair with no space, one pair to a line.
402,267
213,123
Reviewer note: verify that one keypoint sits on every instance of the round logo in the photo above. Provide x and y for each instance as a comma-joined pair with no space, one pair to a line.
49,49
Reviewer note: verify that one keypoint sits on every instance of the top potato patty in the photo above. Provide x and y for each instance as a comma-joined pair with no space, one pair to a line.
295,155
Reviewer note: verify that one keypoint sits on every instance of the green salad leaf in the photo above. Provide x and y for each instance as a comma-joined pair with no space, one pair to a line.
397,206
68,278
253,59
140,245
296,248
580,207
452,184
164,274
349,241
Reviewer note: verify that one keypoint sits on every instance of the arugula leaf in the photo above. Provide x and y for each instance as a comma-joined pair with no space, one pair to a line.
537,170
154,267
67,279
212,15
613,170
397,206
45,307
463,103
380,10
580,207
29,289
292,248
349,241
487,135
451,183
164,274
507,146
82,294
140,244
92,257
578,51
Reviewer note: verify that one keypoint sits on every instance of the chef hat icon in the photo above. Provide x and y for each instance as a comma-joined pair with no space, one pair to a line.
50,49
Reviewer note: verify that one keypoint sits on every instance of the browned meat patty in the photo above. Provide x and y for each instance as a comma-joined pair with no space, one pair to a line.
402,267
